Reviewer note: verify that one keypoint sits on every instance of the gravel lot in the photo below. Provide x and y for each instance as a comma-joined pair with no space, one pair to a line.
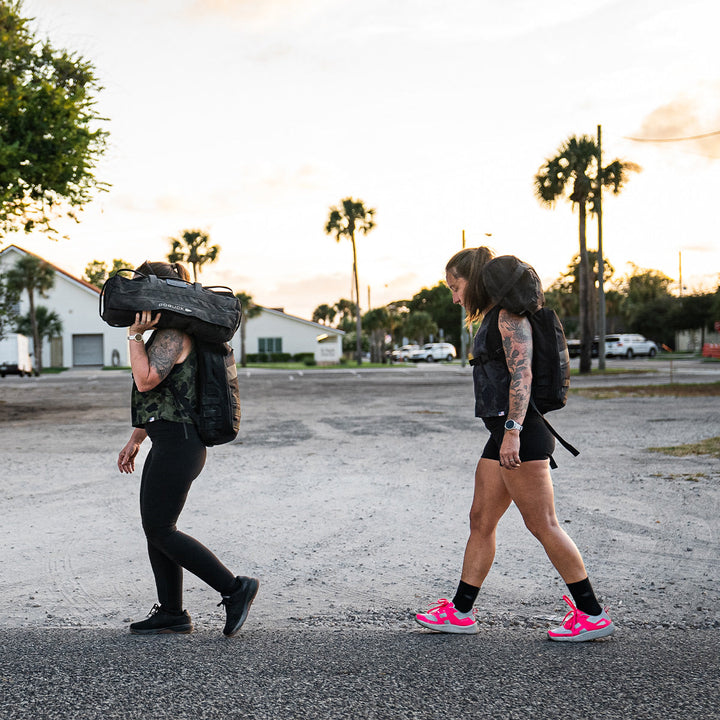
347,493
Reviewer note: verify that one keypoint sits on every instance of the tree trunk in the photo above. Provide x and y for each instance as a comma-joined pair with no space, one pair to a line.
358,320
37,347
584,297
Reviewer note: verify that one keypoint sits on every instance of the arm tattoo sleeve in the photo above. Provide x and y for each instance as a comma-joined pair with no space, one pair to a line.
165,351
516,334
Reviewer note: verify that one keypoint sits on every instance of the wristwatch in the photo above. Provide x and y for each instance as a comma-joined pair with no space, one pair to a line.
512,425
137,337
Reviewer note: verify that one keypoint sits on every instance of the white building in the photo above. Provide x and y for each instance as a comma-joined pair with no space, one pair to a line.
88,341
274,331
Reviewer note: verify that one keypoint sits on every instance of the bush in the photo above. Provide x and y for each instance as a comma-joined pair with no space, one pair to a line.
268,357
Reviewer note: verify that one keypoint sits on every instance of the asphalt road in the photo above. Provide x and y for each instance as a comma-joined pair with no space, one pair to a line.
362,673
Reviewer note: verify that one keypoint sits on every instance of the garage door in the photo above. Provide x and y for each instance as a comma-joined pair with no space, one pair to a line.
87,350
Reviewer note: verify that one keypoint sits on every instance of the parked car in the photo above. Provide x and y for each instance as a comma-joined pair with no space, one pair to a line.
434,351
574,347
402,354
628,346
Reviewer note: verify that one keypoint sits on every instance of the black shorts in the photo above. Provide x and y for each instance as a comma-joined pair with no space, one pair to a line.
536,441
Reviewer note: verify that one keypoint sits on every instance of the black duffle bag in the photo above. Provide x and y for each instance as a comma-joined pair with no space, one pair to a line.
211,314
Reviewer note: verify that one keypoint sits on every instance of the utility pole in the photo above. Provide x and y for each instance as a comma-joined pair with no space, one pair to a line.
601,262
463,327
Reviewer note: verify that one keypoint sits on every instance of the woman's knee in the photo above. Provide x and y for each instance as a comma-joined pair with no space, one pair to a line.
542,526
156,533
481,522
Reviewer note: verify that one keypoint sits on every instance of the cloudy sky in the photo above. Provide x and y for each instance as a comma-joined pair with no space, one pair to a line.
248,119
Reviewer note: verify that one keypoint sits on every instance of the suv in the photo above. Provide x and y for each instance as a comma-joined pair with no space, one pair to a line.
434,351
628,346
403,353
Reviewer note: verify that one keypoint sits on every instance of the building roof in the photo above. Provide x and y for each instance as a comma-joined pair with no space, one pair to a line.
318,326
83,283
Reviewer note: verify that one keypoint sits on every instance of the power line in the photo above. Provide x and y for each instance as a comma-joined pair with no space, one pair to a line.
680,139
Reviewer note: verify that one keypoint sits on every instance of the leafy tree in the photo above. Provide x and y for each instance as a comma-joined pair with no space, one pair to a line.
563,295
8,307
695,312
324,314
574,175
193,247
376,322
97,271
50,141
648,306
420,325
352,216
437,302
48,322
250,310
32,275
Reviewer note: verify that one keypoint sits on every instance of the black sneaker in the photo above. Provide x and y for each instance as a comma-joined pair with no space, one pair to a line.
159,622
238,603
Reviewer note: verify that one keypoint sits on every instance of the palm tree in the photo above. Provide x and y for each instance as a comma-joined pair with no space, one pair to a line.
352,216
346,310
49,323
324,314
34,276
192,247
573,173
250,310
97,271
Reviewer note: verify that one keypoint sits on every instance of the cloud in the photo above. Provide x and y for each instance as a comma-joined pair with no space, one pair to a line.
256,14
685,117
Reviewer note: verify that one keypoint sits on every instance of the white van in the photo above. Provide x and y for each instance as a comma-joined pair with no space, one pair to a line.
15,356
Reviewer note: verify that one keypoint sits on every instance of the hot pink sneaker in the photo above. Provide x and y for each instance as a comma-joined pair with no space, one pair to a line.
578,626
445,618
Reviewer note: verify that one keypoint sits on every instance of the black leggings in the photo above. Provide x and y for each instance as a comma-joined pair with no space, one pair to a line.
176,458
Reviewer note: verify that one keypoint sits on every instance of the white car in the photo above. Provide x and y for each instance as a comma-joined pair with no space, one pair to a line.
434,351
403,353
628,346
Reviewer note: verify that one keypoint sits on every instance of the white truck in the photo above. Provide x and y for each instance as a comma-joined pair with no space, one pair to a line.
14,356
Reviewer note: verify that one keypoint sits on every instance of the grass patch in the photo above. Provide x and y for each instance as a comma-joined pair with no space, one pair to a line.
614,371
303,366
665,390
711,446
694,477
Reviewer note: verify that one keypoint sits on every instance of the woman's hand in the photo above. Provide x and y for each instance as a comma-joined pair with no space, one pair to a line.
126,459
510,450
143,321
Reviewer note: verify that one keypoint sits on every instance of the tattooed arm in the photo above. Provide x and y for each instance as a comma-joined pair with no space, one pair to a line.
151,367
516,335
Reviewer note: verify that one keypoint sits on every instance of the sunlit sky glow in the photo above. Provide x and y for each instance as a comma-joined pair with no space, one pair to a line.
249,118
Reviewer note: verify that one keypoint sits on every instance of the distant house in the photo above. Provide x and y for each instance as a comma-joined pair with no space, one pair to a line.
274,331
88,341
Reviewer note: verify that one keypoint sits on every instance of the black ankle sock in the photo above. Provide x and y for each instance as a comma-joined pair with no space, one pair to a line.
584,597
465,597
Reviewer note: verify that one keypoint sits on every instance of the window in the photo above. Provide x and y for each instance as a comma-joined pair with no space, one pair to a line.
269,345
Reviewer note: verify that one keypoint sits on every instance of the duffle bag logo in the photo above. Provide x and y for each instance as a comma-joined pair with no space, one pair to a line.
177,308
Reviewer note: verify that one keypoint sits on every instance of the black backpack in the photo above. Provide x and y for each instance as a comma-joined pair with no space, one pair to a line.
515,286
217,417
